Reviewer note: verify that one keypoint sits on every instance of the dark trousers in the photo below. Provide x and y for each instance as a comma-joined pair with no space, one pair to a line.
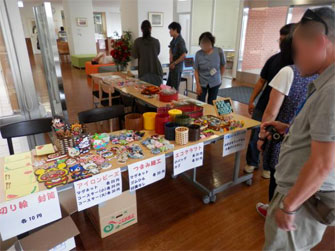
252,152
212,94
174,78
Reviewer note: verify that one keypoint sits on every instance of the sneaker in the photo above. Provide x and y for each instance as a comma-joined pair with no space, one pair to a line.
249,169
266,174
262,209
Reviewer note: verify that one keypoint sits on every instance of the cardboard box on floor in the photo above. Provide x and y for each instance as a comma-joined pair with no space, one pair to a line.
58,235
114,215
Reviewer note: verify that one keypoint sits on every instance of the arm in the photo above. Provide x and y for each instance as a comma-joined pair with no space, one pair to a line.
197,81
310,179
171,56
271,112
258,88
134,51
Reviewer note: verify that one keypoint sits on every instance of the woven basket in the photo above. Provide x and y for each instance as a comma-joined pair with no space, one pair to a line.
63,143
181,135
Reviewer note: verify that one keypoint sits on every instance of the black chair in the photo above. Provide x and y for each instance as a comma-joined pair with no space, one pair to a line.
24,128
101,114
141,107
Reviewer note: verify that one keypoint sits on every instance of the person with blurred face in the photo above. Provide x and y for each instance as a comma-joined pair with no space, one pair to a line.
208,68
262,88
178,52
304,201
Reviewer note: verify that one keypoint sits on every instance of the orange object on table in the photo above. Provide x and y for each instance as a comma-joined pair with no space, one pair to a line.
93,68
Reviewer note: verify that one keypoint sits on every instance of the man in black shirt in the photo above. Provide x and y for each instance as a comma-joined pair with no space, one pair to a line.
270,69
178,52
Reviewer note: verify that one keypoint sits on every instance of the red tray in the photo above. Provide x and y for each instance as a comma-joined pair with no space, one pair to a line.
193,111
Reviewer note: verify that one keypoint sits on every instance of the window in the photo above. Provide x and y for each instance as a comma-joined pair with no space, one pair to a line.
100,23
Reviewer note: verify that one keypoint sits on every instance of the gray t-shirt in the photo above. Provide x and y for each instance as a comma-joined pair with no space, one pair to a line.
315,121
147,51
208,67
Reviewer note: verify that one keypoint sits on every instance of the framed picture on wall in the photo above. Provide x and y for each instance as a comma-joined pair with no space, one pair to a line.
81,21
156,19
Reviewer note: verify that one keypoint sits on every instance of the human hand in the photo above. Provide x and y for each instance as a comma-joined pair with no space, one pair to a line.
285,221
199,90
260,144
172,66
251,107
279,126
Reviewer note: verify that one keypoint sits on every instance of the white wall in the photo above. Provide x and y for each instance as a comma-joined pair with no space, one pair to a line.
81,39
226,22
129,16
113,16
27,16
161,33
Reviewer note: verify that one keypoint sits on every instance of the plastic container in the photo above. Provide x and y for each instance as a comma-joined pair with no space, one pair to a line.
181,135
163,110
173,113
168,97
149,121
183,120
194,132
169,131
161,120
134,121
194,111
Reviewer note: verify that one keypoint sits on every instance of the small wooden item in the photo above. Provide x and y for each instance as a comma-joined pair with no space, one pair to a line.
182,135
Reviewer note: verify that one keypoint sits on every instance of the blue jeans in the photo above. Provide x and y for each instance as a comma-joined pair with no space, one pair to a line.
252,152
212,94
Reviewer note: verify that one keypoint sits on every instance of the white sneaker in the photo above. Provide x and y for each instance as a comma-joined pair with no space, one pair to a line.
262,209
249,169
266,174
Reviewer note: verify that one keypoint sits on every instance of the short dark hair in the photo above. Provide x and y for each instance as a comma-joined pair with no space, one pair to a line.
207,36
327,15
175,26
146,29
287,29
61,28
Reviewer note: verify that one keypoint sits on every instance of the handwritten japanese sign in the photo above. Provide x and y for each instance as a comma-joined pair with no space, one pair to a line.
187,158
21,215
234,142
146,172
97,189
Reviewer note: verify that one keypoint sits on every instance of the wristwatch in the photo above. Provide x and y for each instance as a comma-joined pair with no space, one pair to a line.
282,208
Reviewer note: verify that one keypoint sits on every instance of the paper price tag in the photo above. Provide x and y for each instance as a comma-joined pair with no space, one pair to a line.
26,213
188,158
146,172
234,142
98,188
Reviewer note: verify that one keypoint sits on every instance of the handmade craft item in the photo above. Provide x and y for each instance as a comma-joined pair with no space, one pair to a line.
223,106
83,143
44,149
160,121
52,176
106,165
91,167
73,151
149,121
71,162
173,113
150,90
194,132
134,121
169,130
99,141
183,120
77,172
168,95
126,137
182,135
157,144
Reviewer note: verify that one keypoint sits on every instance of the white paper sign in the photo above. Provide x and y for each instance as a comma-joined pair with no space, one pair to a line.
188,158
98,188
26,213
234,142
146,172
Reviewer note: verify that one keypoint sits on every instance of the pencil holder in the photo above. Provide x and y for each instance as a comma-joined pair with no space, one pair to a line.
194,133
173,113
149,121
182,135
161,120
169,131
134,121
183,120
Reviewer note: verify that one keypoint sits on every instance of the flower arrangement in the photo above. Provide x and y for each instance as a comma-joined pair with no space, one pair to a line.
121,49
